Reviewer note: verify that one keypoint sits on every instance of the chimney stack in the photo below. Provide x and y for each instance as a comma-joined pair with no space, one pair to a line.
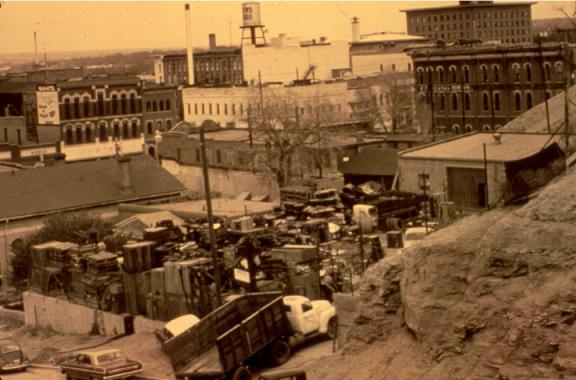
355,29
125,175
212,40
189,45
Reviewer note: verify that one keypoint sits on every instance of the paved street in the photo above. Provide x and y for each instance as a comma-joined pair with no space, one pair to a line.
34,374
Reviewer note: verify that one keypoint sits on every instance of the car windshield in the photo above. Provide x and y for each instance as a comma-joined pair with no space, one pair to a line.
110,356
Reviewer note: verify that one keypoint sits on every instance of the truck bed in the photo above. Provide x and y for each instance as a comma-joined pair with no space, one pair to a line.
203,347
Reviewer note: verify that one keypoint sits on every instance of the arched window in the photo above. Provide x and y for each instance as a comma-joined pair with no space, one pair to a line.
88,134
161,105
496,73
528,70
123,104
135,131
442,102
148,106
496,101
67,109
466,71
167,105
454,102
547,70
420,74
86,103
114,104
468,128
159,125
116,130
517,101
456,129
485,102
133,103
149,127
440,71
453,77
467,102
558,66
69,135
168,124
76,113
484,72
154,106
516,72
529,103
102,132
79,139
125,130
486,128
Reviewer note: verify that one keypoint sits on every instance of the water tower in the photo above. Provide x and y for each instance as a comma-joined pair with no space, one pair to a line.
251,22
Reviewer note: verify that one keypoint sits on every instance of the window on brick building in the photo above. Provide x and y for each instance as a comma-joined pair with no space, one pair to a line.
529,103
149,128
76,111
485,102
123,104
100,104
160,105
102,132
114,104
517,101
148,106
528,70
547,67
484,72
86,104
496,73
440,71
133,103
167,105
496,101
442,102
454,102
516,72
467,102
466,72
452,74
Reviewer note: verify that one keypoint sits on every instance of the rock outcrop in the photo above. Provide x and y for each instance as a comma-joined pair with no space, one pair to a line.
490,297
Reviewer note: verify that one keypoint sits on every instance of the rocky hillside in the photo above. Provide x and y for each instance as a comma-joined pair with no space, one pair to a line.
491,297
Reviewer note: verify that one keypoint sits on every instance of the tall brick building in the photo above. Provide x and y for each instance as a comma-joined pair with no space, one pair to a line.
482,87
473,20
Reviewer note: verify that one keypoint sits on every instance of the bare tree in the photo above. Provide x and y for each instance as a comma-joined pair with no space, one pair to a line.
287,127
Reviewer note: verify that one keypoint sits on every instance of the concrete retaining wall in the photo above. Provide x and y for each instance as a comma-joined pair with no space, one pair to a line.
346,305
66,317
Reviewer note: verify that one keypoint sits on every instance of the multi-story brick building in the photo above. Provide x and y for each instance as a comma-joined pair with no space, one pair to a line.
100,108
216,65
482,87
473,20
161,108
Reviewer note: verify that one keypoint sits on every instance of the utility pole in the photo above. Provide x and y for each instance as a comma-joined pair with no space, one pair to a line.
544,84
568,69
213,251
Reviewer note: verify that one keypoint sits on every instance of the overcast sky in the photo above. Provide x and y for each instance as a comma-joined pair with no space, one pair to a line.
98,25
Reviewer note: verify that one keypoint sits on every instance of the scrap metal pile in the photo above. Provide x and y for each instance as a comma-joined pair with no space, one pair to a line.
310,245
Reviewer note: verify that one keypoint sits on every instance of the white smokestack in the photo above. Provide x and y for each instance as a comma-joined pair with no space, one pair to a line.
190,56
355,29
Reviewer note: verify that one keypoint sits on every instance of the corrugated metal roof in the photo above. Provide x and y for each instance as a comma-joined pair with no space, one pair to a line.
513,146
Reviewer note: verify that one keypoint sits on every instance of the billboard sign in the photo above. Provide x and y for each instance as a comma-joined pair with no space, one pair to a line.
47,105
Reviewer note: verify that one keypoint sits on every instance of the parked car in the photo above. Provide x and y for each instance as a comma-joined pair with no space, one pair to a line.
11,357
108,364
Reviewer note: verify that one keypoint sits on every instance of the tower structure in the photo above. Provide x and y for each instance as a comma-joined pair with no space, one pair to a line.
252,23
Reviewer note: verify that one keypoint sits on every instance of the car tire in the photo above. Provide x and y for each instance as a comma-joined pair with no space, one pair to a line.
279,352
242,373
332,329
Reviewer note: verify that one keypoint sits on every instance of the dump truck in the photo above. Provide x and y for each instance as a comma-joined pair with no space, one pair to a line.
250,330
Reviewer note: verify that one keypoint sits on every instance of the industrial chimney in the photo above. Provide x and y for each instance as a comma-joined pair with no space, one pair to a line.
190,56
212,40
355,29
125,175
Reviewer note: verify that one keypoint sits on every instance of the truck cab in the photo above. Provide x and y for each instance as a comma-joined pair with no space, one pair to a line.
310,317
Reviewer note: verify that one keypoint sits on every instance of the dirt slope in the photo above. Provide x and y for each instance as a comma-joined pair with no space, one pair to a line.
491,297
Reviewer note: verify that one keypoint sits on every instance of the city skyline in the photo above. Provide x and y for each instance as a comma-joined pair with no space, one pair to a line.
105,25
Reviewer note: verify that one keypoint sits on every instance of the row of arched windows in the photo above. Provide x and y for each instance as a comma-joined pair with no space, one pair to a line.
489,73
79,107
521,101
456,128
88,132
158,105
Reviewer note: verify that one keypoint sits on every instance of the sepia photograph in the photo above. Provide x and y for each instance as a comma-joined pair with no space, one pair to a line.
287,190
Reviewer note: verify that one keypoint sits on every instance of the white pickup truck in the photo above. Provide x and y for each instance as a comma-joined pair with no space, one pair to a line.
309,318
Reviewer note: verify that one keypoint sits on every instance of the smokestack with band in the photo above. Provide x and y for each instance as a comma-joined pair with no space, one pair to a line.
189,45
355,29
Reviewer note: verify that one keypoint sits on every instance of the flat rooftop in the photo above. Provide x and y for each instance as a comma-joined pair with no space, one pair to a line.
471,5
513,146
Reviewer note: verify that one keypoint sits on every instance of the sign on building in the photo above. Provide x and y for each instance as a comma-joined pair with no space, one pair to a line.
47,105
